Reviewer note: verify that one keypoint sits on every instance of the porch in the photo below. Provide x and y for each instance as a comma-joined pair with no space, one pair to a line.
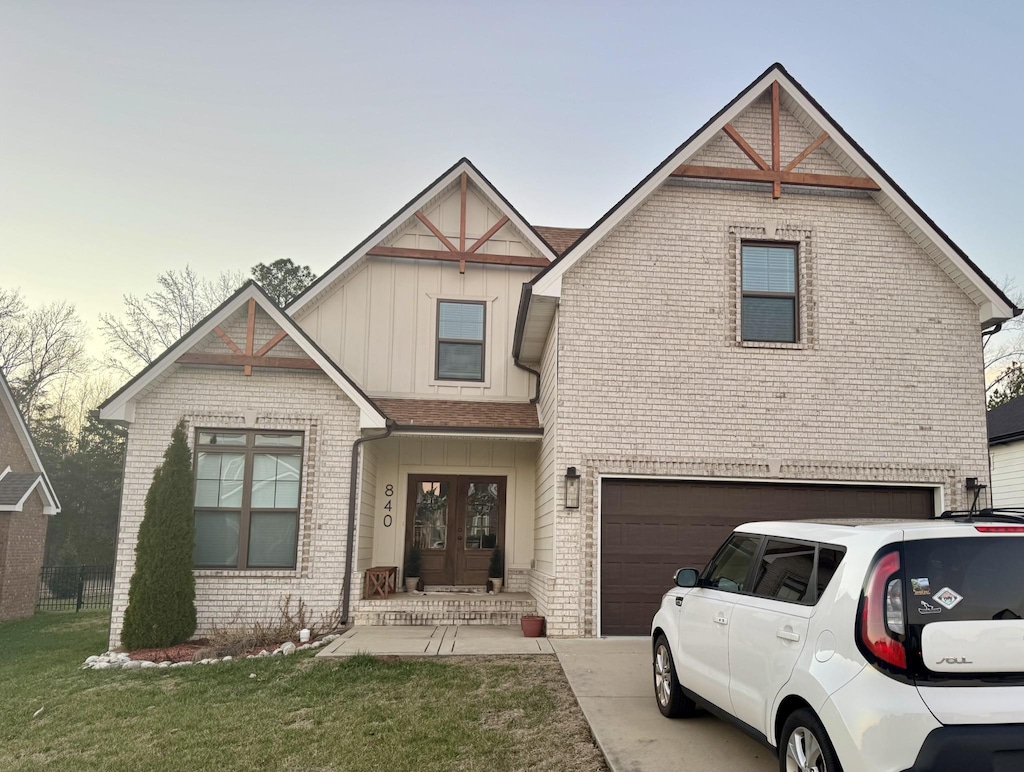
445,608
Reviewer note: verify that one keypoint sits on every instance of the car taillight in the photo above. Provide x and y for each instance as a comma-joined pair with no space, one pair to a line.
999,528
882,612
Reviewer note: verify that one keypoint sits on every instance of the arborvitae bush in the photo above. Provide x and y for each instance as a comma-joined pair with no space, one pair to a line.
161,598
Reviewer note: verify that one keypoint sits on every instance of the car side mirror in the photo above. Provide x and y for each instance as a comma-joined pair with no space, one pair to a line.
687,577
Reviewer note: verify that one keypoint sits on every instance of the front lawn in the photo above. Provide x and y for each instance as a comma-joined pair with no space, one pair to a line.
495,713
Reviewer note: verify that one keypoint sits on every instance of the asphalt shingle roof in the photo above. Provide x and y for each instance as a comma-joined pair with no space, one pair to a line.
14,486
1006,422
441,413
559,239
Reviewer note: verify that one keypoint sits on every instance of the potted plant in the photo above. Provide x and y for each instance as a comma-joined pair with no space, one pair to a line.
533,626
411,570
496,572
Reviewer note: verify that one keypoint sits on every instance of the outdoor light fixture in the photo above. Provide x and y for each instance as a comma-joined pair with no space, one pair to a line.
572,488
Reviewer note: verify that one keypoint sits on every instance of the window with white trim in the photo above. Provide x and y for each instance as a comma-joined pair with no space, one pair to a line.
247,499
770,306
460,340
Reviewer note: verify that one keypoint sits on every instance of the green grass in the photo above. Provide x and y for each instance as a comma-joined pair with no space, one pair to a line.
297,714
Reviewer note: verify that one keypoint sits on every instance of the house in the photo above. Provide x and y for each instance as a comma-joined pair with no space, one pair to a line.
1006,451
26,501
766,326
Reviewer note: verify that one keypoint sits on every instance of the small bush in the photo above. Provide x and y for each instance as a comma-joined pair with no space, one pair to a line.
63,582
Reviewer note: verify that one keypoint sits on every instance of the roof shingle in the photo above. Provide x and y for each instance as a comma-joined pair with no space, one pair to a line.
14,486
559,239
1006,422
458,414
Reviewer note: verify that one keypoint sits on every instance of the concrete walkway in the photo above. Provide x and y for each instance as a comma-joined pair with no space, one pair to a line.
612,681
435,640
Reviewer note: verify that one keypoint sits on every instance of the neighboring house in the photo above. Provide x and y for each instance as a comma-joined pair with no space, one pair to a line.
1006,451
764,327
26,502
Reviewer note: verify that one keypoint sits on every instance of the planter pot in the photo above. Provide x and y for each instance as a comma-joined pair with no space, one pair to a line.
411,583
533,626
495,585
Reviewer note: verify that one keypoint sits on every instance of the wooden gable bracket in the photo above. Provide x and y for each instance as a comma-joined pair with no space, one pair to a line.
460,254
776,174
248,359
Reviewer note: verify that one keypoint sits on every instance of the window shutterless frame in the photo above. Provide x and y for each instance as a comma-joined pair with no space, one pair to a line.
250,450
794,295
468,341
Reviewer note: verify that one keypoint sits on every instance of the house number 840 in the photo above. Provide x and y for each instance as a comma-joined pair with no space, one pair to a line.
389,491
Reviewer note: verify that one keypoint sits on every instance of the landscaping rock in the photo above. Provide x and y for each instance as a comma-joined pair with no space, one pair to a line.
101,666
227,658
181,664
287,648
92,659
263,653
132,665
165,663
146,663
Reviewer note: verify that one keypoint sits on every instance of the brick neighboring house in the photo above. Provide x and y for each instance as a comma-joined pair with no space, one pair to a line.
766,326
26,501
1006,450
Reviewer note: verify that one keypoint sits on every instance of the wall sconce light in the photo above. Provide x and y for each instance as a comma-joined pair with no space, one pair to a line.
572,488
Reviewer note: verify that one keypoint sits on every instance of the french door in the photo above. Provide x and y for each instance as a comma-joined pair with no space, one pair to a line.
456,521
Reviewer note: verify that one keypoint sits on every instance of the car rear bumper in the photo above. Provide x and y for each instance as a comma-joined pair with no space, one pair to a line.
981,748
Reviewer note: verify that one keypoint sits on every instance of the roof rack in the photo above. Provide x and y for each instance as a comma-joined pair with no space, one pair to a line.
1007,514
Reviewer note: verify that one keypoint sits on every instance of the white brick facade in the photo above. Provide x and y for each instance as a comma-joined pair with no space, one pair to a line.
886,385
222,398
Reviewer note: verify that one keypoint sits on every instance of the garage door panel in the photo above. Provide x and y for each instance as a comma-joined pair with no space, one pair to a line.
650,528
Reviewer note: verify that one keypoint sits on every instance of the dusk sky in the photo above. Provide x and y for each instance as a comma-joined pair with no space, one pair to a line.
137,137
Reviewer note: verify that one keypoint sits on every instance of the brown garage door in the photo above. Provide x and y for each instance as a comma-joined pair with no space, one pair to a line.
649,528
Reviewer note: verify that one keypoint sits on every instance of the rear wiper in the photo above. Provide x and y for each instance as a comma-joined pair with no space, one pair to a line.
1007,614
1000,514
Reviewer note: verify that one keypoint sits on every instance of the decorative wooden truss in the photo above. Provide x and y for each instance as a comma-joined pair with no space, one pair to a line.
776,174
460,254
248,359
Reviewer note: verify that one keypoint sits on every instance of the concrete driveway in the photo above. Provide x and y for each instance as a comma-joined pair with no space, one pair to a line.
612,681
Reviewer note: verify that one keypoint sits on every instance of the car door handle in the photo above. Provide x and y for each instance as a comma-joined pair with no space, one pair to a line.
721,620
787,635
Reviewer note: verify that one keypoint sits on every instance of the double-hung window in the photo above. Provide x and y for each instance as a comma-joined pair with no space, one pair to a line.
247,499
769,309
460,340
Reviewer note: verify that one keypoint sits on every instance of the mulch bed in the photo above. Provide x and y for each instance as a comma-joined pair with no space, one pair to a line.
183,652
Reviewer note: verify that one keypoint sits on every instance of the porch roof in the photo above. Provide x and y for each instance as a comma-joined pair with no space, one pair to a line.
425,414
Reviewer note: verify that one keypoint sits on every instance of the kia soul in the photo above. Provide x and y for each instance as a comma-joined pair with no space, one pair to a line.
864,646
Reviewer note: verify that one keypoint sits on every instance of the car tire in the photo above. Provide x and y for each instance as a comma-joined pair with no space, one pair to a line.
804,745
667,691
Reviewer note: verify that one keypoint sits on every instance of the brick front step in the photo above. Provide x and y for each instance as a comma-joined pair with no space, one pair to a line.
445,609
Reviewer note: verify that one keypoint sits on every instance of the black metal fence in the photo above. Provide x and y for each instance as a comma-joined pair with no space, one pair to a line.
66,588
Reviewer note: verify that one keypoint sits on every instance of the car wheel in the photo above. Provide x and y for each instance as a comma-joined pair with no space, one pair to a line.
804,745
671,700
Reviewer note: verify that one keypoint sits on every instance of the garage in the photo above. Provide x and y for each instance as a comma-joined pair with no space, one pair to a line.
650,527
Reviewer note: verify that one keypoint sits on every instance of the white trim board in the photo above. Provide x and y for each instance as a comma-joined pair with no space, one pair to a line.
993,306
121,406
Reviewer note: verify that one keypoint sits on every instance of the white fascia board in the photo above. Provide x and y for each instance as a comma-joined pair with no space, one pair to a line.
550,283
352,259
122,407
25,437
50,504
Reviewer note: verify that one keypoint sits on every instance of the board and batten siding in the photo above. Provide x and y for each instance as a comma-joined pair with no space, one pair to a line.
380,322
1008,474
399,457
367,504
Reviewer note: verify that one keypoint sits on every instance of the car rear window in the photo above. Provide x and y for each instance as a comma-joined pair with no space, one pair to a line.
964,579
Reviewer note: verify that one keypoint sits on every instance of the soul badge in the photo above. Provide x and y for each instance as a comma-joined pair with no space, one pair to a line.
947,597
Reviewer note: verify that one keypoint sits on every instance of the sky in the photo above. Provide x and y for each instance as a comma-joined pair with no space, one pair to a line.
139,137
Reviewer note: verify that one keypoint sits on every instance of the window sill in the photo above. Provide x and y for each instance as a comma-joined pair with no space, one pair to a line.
771,344
246,572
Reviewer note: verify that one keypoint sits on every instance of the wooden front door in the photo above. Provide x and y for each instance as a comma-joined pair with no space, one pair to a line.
456,521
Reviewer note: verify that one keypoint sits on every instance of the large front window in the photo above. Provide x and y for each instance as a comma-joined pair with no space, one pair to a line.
247,499
460,340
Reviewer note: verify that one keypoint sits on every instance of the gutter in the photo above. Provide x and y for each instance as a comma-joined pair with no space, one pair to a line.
353,515
517,340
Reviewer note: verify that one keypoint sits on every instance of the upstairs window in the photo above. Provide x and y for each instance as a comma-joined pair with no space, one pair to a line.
247,499
769,277
460,340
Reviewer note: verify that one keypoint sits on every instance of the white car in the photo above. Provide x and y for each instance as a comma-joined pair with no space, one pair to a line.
863,646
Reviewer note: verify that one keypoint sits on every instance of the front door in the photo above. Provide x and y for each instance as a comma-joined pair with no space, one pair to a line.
456,521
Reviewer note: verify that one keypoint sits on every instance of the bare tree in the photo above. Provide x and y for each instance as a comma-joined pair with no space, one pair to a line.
39,346
1005,348
151,323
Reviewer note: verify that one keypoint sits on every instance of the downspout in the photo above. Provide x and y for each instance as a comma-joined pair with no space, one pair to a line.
517,341
353,515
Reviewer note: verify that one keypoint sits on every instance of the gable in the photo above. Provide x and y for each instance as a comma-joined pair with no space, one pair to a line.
493,233
860,172
18,454
247,331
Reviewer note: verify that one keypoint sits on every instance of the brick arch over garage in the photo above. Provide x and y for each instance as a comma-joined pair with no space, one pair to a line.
651,527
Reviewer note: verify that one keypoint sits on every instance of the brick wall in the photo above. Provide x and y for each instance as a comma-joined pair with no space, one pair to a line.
22,541
886,384
271,399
